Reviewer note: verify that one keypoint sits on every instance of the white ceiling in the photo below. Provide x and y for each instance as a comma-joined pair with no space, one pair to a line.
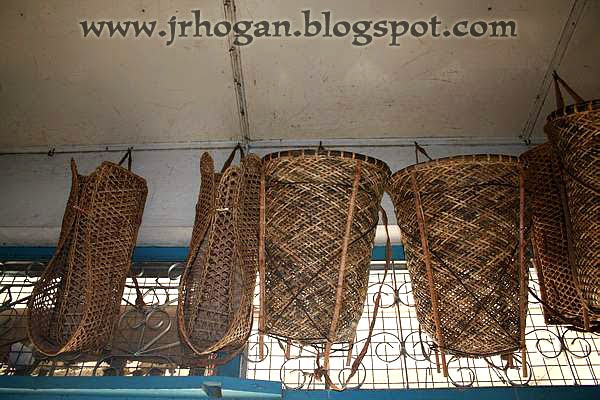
57,88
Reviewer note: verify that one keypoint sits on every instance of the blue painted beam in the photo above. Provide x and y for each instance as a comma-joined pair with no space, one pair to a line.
232,369
147,253
118,388
140,254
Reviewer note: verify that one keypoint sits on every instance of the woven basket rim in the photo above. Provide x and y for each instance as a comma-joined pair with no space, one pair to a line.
106,164
533,150
463,159
586,106
327,153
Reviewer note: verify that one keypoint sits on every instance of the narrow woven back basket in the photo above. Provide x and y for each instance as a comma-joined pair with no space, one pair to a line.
217,286
75,303
561,295
320,215
574,132
462,225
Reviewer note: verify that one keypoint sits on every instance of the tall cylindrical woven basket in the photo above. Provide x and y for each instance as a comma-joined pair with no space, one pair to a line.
217,287
555,258
320,211
574,132
462,225
75,303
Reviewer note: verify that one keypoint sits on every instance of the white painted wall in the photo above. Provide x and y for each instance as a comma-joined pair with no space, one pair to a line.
35,187
58,90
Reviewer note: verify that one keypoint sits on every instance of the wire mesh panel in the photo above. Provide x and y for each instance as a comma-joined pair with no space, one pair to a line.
400,355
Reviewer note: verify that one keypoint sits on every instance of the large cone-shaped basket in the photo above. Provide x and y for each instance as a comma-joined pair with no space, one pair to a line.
554,257
462,225
320,216
574,132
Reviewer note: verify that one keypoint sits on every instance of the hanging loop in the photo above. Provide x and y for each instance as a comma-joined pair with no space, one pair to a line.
231,156
419,149
127,157
560,102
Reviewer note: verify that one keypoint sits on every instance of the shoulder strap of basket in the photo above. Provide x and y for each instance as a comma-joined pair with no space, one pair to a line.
342,270
323,371
69,217
427,260
139,297
558,81
231,156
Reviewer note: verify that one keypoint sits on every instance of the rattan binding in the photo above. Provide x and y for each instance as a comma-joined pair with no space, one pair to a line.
75,303
462,225
561,297
217,286
574,132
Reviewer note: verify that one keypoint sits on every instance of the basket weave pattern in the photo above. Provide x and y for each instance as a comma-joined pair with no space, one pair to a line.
562,302
575,134
470,208
217,287
307,196
74,304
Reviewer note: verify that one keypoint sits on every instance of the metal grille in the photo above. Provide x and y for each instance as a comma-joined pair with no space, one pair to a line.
400,356
146,342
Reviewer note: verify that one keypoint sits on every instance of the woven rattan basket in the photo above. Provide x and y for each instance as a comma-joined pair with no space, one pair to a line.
217,287
320,211
574,132
561,297
462,225
75,303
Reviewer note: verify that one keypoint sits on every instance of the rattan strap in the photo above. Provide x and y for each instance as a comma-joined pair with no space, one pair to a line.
560,102
323,371
429,269
342,271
